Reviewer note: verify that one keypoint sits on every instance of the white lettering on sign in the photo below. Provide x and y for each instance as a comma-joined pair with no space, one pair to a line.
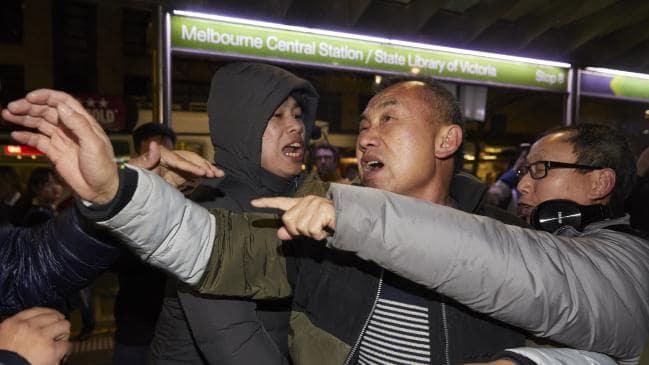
104,116
292,46
478,69
548,78
226,39
341,52
427,63
388,58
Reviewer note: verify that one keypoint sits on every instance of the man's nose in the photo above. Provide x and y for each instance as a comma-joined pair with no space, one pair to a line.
524,184
368,138
295,125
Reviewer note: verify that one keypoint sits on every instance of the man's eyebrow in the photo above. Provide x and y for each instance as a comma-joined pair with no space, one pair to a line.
389,102
384,104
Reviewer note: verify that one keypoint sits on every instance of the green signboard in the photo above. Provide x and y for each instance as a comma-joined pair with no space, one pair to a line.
613,85
631,87
335,50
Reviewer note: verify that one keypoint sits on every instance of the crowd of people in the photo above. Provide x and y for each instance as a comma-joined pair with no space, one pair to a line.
408,263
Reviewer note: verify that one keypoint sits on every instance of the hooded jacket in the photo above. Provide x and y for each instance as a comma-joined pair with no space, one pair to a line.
243,97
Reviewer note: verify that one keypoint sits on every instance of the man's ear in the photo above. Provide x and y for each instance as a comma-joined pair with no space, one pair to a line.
449,139
602,183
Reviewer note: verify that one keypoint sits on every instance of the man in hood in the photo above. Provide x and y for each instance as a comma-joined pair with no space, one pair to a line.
260,118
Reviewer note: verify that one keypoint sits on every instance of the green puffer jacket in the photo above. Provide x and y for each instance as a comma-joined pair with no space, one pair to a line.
334,292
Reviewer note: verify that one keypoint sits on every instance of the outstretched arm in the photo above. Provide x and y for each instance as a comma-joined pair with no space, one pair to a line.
44,264
588,292
81,151
83,156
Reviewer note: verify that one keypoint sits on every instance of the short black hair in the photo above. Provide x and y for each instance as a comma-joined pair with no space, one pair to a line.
604,146
38,177
149,130
440,98
9,176
326,146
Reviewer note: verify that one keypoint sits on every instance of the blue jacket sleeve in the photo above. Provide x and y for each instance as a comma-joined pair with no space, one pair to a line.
11,358
42,265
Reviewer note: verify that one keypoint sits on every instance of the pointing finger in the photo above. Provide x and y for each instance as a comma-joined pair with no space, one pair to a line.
283,234
281,203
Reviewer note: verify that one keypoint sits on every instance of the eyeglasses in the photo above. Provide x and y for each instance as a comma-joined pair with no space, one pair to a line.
539,169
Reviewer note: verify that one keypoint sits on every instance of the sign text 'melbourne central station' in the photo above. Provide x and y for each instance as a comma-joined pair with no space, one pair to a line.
330,49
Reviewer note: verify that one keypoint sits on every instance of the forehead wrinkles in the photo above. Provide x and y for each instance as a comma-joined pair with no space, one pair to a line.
377,104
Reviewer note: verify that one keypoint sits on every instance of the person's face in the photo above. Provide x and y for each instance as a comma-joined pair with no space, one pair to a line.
282,145
561,183
50,191
396,142
325,160
163,141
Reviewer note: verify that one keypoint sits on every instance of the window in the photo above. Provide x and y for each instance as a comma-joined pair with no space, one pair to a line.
11,21
75,46
329,110
12,84
135,32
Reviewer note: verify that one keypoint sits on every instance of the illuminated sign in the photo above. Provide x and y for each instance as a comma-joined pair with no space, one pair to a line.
614,84
110,111
243,38
20,150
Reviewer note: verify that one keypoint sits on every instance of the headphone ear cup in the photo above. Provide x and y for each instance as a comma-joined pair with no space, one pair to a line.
554,214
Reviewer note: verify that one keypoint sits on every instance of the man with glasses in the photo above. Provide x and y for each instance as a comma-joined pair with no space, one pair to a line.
585,286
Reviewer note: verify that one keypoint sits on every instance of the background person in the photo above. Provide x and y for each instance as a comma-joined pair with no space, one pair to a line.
141,287
13,205
326,159
45,191
146,133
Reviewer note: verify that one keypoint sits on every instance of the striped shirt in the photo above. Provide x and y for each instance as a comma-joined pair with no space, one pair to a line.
398,331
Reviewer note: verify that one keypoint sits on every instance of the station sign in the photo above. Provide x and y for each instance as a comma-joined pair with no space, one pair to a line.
241,38
614,84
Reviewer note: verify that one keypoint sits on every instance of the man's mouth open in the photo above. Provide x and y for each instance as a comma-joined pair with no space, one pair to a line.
293,150
371,166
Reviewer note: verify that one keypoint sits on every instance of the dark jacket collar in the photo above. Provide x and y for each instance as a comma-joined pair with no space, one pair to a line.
468,192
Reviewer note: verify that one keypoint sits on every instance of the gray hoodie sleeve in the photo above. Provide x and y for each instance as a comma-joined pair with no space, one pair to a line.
165,229
556,356
589,292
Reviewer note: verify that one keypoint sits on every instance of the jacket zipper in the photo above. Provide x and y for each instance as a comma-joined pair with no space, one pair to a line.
447,356
367,321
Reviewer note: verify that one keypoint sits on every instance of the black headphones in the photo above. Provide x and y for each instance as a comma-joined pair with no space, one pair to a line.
554,214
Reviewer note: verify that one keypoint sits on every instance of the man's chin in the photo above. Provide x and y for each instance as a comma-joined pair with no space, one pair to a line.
374,183
524,213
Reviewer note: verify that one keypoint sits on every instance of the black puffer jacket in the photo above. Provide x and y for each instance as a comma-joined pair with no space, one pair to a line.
203,329
42,265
